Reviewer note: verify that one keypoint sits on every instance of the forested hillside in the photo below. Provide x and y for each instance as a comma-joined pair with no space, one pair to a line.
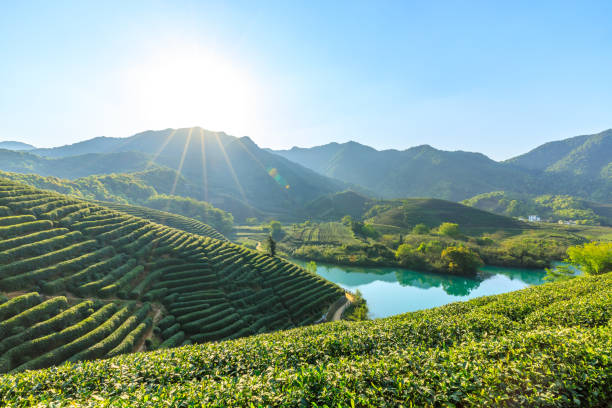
589,155
548,346
81,281
552,208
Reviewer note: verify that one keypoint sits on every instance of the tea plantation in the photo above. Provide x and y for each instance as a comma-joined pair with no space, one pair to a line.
79,281
545,346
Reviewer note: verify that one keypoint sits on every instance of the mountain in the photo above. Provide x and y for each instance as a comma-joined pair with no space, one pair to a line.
230,172
588,155
421,171
80,281
580,167
12,145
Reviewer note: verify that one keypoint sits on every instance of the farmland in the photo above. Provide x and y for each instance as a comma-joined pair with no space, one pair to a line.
81,281
548,346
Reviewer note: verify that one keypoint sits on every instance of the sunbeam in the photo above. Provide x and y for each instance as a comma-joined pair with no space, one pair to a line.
204,170
276,177
180,167
161,149
231,168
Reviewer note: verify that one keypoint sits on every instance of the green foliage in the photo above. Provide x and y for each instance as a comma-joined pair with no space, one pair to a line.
269,246
549,345
357,310
461,260
449,229
276,229
420,229
594,258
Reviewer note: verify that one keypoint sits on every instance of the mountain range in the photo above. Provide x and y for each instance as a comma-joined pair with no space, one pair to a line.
579,166
235,174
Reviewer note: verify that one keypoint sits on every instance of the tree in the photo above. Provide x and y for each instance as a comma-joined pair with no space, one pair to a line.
276,229
461,260
311,267
420,229
409,256
593,258
270,246
347,220
449,229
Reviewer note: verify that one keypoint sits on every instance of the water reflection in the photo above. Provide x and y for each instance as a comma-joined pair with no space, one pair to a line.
393,290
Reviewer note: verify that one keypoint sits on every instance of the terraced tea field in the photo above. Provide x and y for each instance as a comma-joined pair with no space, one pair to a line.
323,233
545,346
165,218
82,281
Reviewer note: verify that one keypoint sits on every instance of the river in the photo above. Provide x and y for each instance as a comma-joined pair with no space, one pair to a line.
390,291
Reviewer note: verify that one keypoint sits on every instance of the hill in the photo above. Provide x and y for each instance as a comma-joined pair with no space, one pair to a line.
552,208
11,145
424,171
432,212
84,282
588,155
405,213
75,166
549,345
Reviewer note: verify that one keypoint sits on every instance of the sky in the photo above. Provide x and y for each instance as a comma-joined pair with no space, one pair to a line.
494,77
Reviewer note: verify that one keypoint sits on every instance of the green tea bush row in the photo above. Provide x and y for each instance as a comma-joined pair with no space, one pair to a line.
128,343
115,336
18,304
35,237
23,353
72,281
68,351
166,322
49,258
16,219
41,247
173,341
122,282
21,229
33,277
54,324
112,276
37,313
205,312
211,324
223,331
171,331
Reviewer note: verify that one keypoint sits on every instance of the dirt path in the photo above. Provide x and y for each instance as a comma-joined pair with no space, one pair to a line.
140,345
338,313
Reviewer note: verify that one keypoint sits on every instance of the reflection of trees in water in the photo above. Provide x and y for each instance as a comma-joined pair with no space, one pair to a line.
529,276
452,285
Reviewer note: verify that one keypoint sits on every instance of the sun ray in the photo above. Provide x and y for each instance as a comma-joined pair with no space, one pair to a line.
180,167
161,149
231,168
204,170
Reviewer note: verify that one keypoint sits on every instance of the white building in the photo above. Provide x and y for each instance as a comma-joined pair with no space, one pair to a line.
534,218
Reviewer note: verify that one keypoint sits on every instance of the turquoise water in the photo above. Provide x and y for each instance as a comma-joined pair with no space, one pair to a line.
390,291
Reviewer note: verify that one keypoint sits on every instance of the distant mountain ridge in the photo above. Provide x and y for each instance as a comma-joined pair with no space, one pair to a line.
589,155
12,145
231,173
582,166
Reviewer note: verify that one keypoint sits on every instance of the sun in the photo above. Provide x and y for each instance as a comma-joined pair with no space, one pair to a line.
187,86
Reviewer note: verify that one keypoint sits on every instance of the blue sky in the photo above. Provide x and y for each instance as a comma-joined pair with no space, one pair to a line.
495,77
